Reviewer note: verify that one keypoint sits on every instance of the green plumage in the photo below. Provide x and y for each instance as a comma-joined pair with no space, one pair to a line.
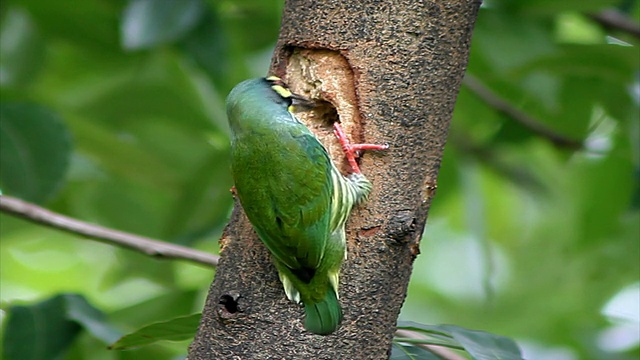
293,195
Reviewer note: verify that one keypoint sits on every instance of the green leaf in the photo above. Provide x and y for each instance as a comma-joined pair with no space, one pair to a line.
411,352
34,151
479,344
90,24
21,48
40,331
91,319
177,329
147,23
172,304
46,330
485,346
209,46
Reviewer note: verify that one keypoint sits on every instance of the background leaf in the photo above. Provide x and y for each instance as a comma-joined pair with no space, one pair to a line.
411,352
479,344
38,332
181,328
21,48
147,23
91,319
34,151
45,330
484,346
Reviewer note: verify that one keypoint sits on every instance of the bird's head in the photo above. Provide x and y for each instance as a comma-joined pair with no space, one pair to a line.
295,102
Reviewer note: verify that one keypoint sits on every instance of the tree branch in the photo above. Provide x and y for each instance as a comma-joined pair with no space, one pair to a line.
614,19
151,247
503,106
518,174
384,86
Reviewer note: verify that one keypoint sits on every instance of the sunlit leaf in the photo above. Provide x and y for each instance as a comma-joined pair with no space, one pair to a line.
91,319
147,23
21,48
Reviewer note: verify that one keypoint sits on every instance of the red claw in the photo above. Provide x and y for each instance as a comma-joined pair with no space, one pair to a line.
352,151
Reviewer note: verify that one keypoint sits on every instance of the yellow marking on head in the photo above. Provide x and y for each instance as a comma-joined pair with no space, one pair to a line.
279,86
282,91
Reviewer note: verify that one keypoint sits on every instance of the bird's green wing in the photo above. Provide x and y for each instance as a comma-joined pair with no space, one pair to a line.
289,198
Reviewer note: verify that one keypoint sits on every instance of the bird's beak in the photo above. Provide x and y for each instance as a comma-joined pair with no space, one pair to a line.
300,103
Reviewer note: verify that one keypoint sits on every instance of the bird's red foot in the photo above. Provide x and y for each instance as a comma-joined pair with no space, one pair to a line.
352,151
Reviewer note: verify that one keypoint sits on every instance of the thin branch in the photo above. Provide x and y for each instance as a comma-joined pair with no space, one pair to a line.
500,104
514,172
151,247
415,337
614,19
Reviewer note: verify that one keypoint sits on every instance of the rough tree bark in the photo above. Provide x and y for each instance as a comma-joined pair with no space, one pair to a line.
390,71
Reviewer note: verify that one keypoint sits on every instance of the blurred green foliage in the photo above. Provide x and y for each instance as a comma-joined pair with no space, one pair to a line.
525,239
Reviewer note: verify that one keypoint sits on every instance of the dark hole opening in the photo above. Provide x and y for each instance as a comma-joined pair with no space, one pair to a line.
230,304
326,112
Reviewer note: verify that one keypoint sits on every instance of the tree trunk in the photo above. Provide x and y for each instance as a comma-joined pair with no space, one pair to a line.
390,72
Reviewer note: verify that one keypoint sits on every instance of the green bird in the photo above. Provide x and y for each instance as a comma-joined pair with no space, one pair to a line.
293,194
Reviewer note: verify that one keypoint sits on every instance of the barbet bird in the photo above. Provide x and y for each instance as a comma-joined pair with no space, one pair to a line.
293,194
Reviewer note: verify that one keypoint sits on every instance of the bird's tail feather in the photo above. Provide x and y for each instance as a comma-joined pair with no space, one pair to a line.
323,317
